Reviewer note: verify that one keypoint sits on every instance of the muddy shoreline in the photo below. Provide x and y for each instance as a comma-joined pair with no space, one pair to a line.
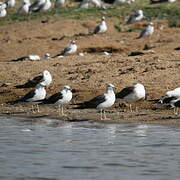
157,68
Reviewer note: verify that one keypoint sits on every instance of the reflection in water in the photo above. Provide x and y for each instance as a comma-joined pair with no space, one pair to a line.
51,149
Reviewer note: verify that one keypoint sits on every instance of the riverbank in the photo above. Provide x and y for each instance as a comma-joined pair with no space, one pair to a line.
157,67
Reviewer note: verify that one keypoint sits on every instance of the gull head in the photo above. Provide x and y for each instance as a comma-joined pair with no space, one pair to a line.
46,73
140,11
73,42
66,87
150,24
103,18
47,55
110,86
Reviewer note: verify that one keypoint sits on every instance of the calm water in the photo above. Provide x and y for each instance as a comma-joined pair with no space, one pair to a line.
82,150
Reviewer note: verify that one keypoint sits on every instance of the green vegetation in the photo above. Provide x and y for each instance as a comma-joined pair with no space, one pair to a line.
170,12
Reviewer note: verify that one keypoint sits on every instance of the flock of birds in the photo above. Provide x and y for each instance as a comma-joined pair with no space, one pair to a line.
131,94
37,96
99,29
27,7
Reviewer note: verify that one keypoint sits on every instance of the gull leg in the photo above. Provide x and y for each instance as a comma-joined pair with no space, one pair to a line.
59,110
32,109
101,114
62,111
37,106
176,111
130,107
104,114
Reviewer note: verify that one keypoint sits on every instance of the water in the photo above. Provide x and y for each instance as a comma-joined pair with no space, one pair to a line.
82,150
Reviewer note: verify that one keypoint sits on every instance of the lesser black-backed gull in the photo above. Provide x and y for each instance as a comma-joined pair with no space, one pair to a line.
60,99
148,31
132,94
102,27
72,48
45,79
100,102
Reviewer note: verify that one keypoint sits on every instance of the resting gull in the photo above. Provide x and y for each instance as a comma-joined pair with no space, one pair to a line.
32,57
45,79
100,102
169,96
72,48
148,31
24,9
102,27
132,94
3,11
135,16
10,3
59,3
59,99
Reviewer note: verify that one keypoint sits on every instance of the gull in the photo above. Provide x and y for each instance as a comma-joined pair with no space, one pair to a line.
3,11
32,57
10,3
36,5
85,4
135,16
102,27
132,94
89,3
148,31
72,48
169,96
60,99
123,1
43,7
24,9
34,96
100,102
44,79
59,3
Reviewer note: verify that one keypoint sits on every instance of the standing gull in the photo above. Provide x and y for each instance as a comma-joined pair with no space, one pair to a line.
36,95
59,99
132,94
135,16
100,102
101,28
72,48
148,31
44,79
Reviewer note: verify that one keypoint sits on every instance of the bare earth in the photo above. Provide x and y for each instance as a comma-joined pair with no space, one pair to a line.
158,69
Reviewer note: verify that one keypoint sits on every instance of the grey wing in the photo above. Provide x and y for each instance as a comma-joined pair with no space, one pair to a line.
65,51
93,103
38,8
97,29
125,92
31,83
132,17
142,34
34,5
53,99
20,59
